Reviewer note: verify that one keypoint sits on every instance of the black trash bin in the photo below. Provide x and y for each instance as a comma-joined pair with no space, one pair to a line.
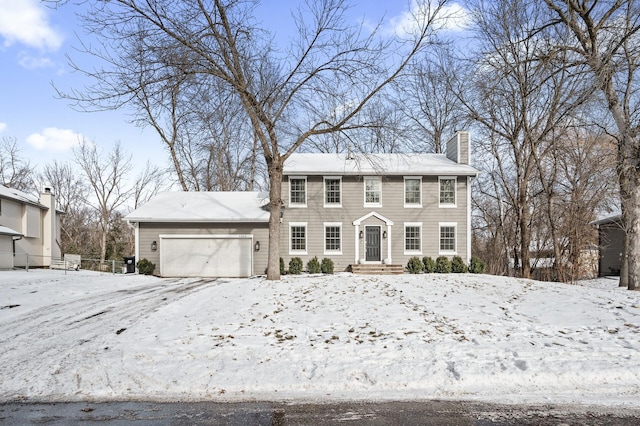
130,263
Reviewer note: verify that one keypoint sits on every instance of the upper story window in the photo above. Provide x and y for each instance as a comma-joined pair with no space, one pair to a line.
297,192
332,192
412,192
372,191
447,238
447,191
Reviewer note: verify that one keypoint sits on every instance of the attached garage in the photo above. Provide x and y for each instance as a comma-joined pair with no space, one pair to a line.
203,234
206,255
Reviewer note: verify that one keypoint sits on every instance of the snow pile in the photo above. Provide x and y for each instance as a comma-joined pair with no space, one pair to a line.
83,335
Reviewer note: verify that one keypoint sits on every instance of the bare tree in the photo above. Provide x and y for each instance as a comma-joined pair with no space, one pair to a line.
148,183
605,41
15,171
519,101
106,175
430,103
71,193
317,86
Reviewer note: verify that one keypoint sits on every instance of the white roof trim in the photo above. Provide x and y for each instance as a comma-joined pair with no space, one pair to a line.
8,231
372,214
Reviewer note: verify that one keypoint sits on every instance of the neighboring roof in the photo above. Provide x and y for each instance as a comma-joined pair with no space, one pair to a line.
8,231
617,218
22,197
203,207
375,164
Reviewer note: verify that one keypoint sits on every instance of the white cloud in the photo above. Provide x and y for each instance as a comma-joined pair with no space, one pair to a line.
451,17
32,62
25,21
3,126
54,139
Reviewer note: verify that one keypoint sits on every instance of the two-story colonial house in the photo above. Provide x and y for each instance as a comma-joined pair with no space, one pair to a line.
351,208
378,208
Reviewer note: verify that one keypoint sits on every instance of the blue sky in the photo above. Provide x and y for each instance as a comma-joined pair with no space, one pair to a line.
34,42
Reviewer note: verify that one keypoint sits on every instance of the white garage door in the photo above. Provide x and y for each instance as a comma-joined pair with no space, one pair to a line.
205,255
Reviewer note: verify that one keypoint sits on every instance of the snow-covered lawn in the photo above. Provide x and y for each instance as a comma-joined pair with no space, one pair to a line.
91,336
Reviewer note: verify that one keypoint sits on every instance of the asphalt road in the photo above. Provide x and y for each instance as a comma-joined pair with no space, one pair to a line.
278,414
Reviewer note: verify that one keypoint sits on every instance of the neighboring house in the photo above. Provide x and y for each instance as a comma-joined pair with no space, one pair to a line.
351,208
29,229
611,244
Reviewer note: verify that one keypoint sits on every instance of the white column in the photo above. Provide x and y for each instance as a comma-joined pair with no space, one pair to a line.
389,244
357,242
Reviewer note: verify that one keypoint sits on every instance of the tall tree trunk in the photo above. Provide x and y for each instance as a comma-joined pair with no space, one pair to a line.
103,245
631,220
624,263
629,176
525,231
275,166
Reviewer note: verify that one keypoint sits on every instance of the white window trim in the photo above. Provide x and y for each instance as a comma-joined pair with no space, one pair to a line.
364,191
412,206
324,192
455,192
324,235
455,238
404,241
306,238
306,192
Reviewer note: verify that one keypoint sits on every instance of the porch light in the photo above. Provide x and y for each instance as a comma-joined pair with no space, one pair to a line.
384,234
361,235
257,246
154,246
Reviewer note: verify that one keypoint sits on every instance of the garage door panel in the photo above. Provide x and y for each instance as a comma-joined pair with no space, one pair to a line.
206,257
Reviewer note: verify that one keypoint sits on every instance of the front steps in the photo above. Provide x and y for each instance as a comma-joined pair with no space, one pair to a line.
376,269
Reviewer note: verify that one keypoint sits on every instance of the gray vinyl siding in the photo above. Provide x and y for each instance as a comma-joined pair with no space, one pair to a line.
611,238
430,215
458,147
452,149
464,147
149,232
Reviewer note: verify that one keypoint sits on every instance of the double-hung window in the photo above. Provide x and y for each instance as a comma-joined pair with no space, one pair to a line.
372,191
413,238
332,192
412,192
447,191
298,238
447,238
332,238
297,192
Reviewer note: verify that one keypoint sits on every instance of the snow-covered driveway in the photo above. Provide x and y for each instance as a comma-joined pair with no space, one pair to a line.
85,335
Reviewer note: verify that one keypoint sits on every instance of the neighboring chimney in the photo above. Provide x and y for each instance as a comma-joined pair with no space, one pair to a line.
50,247
459,148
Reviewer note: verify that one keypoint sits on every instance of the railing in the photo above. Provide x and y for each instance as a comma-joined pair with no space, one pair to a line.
30,261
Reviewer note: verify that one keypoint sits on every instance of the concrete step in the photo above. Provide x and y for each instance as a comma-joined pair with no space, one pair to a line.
376,269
